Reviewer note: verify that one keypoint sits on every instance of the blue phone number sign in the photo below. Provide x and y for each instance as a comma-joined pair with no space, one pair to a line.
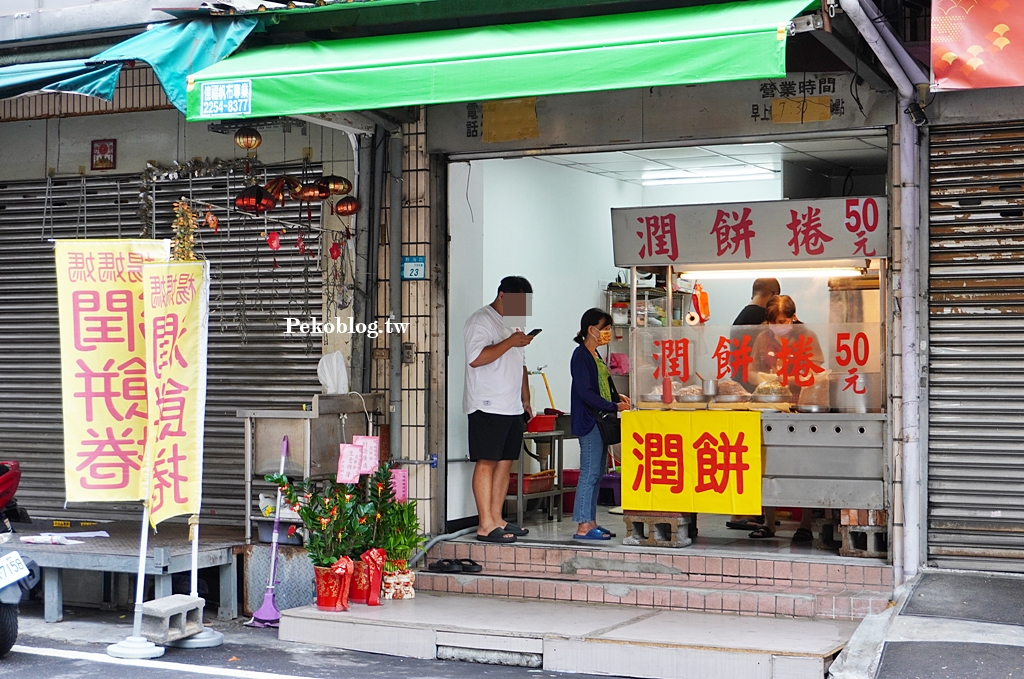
228,97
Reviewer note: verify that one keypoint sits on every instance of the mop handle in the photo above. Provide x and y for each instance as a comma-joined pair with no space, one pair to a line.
277,517
548,387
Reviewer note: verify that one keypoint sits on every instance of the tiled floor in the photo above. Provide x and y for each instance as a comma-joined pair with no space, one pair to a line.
713,537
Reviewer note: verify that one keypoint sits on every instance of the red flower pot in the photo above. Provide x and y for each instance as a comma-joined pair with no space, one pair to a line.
360,591
328,588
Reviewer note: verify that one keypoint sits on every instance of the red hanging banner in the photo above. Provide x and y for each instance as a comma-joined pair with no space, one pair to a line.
977,43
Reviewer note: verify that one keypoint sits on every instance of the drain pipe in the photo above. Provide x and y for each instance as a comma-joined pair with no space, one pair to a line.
395,155
906,543
910,67
439,538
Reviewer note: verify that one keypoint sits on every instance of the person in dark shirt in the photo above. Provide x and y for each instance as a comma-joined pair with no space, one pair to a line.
764,289
753,314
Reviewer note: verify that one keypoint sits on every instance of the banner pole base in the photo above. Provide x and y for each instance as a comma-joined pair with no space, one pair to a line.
135,648
208,638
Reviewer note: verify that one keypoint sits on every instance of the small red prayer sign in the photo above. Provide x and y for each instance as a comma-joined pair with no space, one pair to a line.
104,154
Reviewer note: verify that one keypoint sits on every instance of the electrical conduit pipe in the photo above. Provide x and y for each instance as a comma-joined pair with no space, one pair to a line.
906,543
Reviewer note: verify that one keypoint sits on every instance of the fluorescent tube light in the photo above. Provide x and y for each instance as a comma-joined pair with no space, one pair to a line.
719,274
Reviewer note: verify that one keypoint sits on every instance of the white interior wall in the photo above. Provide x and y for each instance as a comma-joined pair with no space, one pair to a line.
552,225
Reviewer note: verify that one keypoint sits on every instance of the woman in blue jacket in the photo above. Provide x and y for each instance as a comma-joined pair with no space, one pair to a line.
591,391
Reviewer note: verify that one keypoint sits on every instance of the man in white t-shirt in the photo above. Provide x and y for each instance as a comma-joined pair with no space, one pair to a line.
497,401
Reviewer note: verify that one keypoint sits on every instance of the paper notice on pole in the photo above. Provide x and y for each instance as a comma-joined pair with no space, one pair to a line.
371,453
349,462
400,484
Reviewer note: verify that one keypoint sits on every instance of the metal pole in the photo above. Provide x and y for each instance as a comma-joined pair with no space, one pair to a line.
396,153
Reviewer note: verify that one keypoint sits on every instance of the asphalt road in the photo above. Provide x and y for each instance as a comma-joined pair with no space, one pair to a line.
76,649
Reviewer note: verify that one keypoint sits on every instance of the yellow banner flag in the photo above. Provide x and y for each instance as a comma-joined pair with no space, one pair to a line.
705,461
177,318
103,365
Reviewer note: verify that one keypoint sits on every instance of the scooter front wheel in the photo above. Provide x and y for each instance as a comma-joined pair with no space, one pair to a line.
8,627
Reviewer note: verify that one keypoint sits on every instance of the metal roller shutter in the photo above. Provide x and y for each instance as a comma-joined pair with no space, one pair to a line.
976,327
253,290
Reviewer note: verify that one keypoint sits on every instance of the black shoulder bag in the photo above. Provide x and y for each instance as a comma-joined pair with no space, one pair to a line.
608,423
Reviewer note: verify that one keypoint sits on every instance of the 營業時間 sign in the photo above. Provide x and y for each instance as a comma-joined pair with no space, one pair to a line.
781,231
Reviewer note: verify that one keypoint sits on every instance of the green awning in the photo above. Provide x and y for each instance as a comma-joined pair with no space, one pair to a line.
22,78
708,43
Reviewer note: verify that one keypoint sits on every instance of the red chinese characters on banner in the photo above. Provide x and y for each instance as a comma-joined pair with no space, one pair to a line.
661,461
673,359
862,219
167,475
853,353
109,458
717,460
807,232
733,230
733,357
796,358
659,236
103,318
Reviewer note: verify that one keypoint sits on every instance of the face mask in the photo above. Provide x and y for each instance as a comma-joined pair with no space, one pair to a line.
604,337
781,329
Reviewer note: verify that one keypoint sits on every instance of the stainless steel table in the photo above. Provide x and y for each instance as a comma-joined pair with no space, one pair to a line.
555,494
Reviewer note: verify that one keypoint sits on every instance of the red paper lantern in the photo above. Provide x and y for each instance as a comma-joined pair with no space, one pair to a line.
255,199
335,185
282,187
274,240
311,192
346,206
248,138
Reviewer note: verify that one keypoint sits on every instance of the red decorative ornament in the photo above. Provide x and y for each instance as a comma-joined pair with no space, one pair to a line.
335,250
335,185
300,243
248,138
310,192
212,221
274,240
346,207
282,187
255,199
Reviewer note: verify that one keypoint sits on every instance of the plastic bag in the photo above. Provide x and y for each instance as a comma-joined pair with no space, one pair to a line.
333,373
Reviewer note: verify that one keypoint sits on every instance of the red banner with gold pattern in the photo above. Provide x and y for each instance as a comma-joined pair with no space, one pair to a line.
977,43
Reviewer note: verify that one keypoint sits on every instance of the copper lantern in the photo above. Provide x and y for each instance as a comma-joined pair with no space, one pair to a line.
311,192
346,206
255,199
248,138
282,187
335,185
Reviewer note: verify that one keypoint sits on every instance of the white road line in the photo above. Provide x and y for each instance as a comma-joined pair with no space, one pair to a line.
152,664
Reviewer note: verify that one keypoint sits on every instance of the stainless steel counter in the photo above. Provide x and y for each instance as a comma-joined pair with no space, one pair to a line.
828,460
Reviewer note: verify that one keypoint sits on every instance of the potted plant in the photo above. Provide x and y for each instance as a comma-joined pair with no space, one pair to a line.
401,538
335,517
369,555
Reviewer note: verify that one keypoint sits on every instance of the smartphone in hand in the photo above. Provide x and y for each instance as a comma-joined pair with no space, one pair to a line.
534,332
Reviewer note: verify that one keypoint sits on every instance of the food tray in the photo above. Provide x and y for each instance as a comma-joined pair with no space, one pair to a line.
771,398
731,398
807,408
647,398
532,483
691,398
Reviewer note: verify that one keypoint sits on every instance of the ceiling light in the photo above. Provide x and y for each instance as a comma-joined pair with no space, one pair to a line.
720,274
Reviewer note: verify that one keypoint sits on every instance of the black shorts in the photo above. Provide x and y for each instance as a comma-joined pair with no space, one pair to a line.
495,437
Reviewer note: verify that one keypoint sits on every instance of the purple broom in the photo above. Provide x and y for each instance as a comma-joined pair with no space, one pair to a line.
268,615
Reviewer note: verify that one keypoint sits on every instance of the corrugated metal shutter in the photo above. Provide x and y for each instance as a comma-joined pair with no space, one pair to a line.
251,362
976,326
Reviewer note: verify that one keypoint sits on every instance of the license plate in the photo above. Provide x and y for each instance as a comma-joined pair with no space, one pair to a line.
12,569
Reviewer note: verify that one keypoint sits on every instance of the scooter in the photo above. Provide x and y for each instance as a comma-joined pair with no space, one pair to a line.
18,575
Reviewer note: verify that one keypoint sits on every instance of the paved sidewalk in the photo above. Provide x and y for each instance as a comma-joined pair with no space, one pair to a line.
946,626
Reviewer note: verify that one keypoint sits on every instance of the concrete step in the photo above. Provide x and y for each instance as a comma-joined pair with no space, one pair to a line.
714,597
577,637
687,566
